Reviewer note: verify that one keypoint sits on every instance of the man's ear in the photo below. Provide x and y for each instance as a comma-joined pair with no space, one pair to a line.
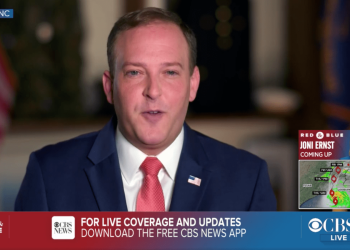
194,84
108,86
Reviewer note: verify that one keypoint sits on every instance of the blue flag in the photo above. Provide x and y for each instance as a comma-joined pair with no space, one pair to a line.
336,63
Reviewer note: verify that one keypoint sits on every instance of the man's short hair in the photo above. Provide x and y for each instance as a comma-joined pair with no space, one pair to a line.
146,16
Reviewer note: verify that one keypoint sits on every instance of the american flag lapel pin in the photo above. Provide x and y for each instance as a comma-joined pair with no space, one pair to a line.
194,180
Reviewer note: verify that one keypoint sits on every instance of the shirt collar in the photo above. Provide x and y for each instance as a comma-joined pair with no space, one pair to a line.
130,157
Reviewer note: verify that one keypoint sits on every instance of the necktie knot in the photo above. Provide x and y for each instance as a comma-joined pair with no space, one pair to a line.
151,166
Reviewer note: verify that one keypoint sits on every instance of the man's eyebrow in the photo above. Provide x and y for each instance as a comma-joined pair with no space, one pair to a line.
138,64
172,64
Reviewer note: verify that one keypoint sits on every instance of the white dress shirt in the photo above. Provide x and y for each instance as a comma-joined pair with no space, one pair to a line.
130,159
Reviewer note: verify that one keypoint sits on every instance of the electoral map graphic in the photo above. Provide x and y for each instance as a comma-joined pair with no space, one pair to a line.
324,184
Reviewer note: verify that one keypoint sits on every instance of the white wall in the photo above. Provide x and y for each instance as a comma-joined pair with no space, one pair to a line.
268,41
155,3
98,18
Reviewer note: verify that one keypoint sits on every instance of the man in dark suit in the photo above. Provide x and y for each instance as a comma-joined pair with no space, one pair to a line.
146,158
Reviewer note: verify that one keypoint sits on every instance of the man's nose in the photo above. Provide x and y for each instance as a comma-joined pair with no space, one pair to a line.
153,88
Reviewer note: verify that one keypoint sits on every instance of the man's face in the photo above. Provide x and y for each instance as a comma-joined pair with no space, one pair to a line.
152,85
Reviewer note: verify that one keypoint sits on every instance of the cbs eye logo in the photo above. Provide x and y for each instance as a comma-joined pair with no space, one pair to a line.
315,225
319,135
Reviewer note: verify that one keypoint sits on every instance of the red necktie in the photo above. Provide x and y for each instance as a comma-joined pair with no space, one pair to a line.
150,197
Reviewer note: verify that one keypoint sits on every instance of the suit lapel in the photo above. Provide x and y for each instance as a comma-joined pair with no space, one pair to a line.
105,176
186,196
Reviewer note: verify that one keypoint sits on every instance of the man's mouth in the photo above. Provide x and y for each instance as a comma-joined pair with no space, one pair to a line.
153,112
153,116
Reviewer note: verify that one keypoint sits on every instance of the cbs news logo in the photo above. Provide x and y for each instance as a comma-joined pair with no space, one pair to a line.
329,225
63,228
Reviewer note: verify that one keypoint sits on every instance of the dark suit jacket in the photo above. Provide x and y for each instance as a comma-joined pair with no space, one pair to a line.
83,174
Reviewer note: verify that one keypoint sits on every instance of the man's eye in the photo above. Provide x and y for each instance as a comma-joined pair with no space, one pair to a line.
132,73
171,72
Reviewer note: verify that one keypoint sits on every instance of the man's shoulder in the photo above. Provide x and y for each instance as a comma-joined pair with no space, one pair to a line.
225,154
233,169
218,149
72,148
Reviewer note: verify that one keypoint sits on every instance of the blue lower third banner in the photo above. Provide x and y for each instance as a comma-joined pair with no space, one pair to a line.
175,230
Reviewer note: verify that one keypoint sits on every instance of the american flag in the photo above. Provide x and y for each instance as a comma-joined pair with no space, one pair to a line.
7,86
194,180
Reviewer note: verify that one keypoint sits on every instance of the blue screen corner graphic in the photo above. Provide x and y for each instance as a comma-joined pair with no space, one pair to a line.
6,13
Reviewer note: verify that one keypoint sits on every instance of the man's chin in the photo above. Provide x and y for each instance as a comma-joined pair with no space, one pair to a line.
155,143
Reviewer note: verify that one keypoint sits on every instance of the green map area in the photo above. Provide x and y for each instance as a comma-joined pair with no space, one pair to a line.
324,184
